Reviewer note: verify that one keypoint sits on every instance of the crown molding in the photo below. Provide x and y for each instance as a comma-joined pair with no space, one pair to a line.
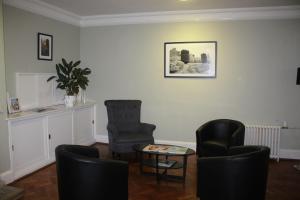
282,12
256,13
44,9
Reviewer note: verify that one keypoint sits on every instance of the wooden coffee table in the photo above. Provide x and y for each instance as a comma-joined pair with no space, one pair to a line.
162,162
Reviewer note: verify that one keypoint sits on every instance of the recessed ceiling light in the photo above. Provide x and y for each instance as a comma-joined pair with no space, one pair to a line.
183,0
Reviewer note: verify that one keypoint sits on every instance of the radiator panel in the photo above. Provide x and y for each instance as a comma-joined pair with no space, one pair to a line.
264,135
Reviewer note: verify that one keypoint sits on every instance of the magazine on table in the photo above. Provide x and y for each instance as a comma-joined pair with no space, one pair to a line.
165,149
166,163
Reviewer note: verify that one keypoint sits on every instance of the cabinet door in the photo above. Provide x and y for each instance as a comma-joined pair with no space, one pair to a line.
59,131
84,126
29,151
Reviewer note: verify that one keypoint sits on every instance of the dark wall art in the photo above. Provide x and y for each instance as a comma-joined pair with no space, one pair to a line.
45,46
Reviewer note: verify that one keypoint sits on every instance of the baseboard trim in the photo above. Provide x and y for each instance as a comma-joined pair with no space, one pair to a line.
7,177
192,145
101,138
284,153
290,154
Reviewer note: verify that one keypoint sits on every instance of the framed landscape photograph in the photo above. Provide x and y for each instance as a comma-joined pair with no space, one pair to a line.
45,46
190,59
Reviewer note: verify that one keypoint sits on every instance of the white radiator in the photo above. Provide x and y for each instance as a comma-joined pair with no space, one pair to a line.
264,135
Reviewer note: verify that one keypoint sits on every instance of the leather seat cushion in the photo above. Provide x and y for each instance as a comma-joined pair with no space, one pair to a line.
218,143
214,148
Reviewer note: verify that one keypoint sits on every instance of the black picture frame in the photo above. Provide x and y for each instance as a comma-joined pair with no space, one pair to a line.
45,46
196,59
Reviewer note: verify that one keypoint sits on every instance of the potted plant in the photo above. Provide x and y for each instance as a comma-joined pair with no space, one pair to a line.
70,77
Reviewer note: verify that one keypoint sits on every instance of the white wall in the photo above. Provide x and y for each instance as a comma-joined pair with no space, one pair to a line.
255,83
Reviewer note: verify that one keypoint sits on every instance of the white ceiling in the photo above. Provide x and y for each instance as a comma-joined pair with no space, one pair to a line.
110,7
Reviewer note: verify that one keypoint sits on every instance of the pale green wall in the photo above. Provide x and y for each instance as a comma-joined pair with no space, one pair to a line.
4,152
255,83
20,36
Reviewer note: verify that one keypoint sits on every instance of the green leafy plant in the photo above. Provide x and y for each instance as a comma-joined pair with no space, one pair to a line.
70,77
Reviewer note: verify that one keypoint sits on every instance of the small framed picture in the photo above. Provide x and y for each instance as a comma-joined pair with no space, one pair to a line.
191,59
45,46
13,105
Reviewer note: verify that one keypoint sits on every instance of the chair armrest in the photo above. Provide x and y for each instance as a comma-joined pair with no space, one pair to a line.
112,130
147,128
237,138
201,136
201,133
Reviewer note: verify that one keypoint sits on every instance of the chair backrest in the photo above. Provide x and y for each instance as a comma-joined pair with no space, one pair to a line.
241,175
124,114
222,128
82,175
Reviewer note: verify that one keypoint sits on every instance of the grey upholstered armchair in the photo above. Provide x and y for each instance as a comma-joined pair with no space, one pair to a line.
124,126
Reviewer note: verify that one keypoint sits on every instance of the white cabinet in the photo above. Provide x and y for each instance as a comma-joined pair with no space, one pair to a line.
84,126
59,131
28,146
33,136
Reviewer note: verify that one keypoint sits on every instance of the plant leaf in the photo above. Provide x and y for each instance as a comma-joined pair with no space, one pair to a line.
50,78
76,63
64,62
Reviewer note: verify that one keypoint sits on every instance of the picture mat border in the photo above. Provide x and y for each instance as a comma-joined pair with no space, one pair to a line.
184,75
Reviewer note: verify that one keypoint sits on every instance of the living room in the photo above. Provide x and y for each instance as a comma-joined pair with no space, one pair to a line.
256,62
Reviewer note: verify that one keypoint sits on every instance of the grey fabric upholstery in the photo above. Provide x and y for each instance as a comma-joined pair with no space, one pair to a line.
124,126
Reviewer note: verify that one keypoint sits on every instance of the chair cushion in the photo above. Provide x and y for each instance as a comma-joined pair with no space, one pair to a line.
214,148
132,137
220,143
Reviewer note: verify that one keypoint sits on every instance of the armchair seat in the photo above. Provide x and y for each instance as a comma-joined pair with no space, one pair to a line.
216,137
212,148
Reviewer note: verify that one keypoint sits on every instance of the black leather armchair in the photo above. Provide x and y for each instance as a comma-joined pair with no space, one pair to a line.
242,175
124,126
82,175
214,138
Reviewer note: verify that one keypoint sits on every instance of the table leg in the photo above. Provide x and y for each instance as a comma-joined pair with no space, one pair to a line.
184,167
141,162
156,165
166,170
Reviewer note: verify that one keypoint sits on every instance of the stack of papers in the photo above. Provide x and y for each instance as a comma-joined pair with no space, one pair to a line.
165,149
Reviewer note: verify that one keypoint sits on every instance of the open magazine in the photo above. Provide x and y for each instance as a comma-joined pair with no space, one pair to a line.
165,149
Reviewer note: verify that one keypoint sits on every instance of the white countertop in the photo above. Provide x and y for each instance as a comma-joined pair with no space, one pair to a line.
38,112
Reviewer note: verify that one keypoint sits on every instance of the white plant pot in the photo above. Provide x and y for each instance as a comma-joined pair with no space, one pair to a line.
70,101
